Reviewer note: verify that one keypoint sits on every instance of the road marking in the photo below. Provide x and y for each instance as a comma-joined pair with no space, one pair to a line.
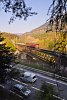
58,97
2,86
45,77
52,79
37,88
27,85
11,91
16,94
19,82
51,83
34,69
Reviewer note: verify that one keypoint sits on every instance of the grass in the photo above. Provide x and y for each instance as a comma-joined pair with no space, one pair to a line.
41,66
36,64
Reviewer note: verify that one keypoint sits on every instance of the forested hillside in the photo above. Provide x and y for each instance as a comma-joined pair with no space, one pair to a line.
46,39
10,39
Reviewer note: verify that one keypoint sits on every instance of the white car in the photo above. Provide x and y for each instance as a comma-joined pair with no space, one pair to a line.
29,77
22,90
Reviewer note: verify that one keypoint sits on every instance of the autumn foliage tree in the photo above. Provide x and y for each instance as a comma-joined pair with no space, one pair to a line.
58,20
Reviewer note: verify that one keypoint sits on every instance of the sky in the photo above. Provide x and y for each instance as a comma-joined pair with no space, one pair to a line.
32,22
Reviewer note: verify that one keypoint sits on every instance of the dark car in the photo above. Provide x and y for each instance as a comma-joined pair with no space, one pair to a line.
22,90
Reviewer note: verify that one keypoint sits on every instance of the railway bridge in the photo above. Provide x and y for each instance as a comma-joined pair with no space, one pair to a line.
33,51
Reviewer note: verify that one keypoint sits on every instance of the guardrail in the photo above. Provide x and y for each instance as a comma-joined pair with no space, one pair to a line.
46,73
60,77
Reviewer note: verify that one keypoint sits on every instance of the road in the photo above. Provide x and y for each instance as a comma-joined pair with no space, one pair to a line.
35,87
40,79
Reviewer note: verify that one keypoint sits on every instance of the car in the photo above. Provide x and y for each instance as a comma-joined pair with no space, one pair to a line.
22,90
28,77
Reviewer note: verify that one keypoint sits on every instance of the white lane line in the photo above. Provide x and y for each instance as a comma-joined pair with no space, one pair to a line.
58,97
19,82
27,85
11,91
2,86
16,94
51,83
53,95
54,80
36,88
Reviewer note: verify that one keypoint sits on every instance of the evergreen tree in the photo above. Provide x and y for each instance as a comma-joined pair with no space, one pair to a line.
46,93
6,57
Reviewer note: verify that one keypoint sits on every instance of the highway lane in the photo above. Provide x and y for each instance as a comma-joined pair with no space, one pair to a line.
33,89
22,67
42,78
9,86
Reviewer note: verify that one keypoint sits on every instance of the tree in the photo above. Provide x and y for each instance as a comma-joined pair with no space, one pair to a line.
14,73
58,21
46,93
18,9
58,18
6,57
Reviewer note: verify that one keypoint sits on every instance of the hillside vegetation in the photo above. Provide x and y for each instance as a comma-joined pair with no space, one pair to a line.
9,39
46,40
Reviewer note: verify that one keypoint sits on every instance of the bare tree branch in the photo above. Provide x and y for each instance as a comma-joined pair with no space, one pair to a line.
58,11
18,9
